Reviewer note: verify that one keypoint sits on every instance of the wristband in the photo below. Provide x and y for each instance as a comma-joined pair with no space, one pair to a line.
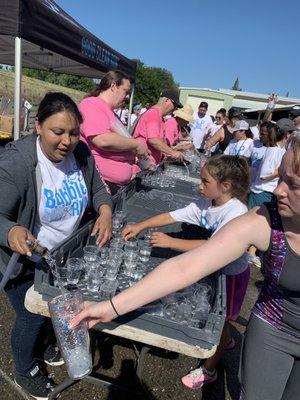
113,306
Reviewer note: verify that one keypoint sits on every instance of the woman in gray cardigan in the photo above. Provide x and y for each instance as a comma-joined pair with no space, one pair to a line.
48,184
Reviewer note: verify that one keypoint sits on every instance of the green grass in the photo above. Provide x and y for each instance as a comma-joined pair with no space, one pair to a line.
33,90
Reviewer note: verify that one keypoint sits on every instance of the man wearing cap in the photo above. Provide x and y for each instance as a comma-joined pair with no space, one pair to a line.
149,129
200,126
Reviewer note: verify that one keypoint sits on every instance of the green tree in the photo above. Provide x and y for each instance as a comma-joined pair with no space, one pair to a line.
70,81
150,81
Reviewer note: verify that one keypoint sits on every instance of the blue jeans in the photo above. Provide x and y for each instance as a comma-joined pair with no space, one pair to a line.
27,327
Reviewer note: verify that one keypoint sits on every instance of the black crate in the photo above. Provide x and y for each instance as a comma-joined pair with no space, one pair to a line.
182,188
138,208
205,337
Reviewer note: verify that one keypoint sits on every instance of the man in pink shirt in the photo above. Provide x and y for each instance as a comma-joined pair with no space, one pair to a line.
149,129
102,131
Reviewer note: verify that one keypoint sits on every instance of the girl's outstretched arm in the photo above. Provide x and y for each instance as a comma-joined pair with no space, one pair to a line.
228,244
133,230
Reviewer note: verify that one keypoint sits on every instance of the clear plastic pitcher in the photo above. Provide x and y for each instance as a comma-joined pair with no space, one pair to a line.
74,343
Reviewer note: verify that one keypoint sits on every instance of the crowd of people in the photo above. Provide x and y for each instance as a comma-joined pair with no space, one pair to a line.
66,173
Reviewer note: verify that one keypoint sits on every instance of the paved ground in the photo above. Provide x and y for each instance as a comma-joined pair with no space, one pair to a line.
162,369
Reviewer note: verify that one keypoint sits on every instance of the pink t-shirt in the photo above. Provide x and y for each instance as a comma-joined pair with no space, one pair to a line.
150,126
171,131
116,167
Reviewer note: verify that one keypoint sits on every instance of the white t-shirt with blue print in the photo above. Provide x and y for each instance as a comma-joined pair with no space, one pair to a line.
63,199
239,147
270,162
199,128
202,213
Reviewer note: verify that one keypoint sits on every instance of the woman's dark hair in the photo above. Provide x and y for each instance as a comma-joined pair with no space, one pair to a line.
233,169
222,111
105,83
235,112
249,134
272,133
55,102
280,134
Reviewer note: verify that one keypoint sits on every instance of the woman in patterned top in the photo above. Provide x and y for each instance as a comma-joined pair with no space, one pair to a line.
271,354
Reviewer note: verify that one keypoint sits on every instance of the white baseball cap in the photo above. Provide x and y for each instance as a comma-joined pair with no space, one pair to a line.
241,126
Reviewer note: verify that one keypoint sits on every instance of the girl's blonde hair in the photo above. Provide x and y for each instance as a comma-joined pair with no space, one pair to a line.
233,169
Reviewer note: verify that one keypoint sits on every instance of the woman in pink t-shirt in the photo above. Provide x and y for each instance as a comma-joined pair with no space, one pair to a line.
173,126
114,153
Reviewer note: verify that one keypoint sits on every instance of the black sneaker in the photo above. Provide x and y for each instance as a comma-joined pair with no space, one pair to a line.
52,356
35,383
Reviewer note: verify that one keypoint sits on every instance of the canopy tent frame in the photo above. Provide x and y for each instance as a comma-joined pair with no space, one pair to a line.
18,87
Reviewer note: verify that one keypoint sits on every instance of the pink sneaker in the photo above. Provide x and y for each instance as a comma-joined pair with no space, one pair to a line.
197,378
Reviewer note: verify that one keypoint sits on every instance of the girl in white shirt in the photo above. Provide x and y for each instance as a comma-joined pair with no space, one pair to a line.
242,143
260,145
224,187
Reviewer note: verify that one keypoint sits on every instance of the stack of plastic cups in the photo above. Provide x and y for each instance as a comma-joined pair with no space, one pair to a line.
94,275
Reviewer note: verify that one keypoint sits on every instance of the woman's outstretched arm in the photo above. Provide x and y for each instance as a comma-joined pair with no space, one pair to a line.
228,244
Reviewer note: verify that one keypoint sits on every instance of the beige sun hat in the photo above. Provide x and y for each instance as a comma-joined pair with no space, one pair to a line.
186,113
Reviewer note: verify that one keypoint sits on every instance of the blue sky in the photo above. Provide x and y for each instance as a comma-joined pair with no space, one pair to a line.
204,43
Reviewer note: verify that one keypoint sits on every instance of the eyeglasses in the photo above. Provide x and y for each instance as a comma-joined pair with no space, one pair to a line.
218,117
174,104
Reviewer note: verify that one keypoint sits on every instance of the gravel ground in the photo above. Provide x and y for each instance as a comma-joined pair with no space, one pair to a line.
162,370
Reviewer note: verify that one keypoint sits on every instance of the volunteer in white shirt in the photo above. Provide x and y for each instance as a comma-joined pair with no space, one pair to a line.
242,143
200,126
275,139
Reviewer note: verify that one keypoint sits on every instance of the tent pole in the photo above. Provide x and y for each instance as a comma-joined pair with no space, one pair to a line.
130,107
18,82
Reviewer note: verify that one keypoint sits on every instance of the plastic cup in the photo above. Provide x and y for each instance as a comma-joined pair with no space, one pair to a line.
104,254
170,310
94,279
116,244
90,253
75,266
131,260
184,312
61,275
73,343
108,288
145,251
121,215
131,244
